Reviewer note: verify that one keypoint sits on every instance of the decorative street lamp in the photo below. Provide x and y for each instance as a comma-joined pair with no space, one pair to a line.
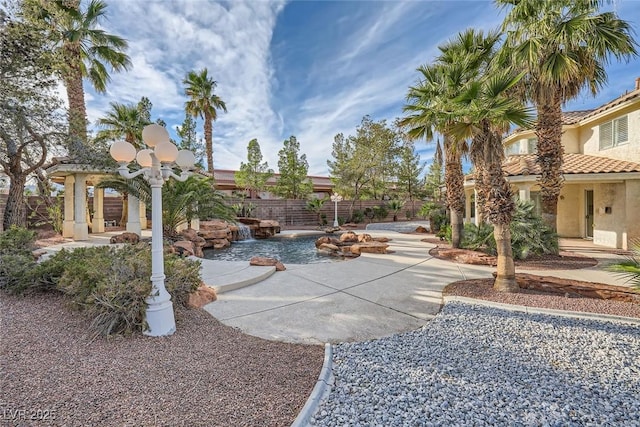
156,163
335,198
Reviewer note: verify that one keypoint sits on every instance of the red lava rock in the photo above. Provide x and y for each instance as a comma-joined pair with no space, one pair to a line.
201,297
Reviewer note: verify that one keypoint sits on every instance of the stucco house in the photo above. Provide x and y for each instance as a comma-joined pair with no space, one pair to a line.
600,199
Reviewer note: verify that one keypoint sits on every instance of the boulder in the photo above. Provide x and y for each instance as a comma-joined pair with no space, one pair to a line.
126,237
189,234
184,248
421,229
329,246
222,233
220,243
381,239
349,236
369,247
326,239
267,262
364,237
201,297
213,225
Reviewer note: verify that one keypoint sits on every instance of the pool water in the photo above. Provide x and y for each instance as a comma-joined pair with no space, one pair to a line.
288,250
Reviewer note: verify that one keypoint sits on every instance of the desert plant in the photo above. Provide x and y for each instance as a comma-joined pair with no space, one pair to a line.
357,217
16,260
630,267
395,206
315,206
380,212
479,237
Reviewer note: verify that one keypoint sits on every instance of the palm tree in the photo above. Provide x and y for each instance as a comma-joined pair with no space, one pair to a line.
123,121
203,103
85,48
486,112
563,46
430,107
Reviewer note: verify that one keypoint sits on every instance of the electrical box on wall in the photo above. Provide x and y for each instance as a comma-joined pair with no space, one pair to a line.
607,209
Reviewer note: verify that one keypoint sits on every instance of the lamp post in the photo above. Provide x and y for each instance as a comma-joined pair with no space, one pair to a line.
156,163
335,198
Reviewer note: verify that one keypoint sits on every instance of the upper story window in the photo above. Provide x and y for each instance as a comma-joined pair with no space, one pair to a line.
532,145
512,149
615,132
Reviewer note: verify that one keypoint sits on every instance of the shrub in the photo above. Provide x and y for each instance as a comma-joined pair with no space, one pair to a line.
16,260
529,235
630,267
357,216
380,212
111,284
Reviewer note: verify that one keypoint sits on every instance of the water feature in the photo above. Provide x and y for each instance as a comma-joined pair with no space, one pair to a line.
244,232
294,250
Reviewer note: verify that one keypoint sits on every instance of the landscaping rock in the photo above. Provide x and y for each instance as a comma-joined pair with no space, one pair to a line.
326,239
421,229
220,243
184,247
329,246
267,262
369,247
364,237
189,234
126,237
201,297
349,236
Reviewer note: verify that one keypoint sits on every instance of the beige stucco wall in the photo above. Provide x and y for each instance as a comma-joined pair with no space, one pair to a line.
571,140
632,213
608,228
571,211
590,136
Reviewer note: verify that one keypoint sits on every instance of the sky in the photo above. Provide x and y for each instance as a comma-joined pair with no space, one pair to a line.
311,69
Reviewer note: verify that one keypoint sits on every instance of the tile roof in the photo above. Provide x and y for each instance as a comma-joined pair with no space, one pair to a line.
573,117
525,164
226,176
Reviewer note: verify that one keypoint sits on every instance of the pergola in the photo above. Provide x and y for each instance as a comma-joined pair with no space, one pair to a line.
76,178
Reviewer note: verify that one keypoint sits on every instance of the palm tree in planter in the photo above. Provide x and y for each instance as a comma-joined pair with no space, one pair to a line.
563,47
204,103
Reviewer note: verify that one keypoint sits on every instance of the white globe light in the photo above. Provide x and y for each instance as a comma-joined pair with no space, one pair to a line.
186,159
166,152
154,135
144,158
122,151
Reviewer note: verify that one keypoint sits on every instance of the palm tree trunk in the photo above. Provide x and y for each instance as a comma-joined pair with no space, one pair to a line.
550,151
506,270
454,180
208,139
75,96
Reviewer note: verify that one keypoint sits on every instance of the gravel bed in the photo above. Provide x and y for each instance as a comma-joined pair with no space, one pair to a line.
479,366
206,374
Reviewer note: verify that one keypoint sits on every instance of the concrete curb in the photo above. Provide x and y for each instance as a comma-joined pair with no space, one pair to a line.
320,390
538,310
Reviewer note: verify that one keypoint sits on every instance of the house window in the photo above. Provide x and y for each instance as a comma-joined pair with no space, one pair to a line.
613,133
513,149
532,145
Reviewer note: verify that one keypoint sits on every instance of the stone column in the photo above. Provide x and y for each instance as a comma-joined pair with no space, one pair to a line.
80,227
143,216
477,216
98,210
67,225
133,218
467,207
195,224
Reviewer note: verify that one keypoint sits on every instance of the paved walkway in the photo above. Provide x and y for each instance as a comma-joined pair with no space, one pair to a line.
369,297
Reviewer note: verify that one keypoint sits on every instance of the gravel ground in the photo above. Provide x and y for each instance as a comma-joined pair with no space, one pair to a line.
206,374
479,366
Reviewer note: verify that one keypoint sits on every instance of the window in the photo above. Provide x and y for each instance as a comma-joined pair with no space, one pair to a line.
613,133
513,149
532,145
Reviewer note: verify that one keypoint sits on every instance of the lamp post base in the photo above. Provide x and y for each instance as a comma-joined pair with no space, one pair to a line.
160,320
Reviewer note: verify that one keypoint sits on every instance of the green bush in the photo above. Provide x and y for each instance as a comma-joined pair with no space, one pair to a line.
529,235
357,217
111,284
17,263
380,212
630,267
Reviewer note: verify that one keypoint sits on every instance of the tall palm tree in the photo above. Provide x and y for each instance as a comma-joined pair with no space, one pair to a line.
563,46
487,110
430,109
85,48
203,103
123,121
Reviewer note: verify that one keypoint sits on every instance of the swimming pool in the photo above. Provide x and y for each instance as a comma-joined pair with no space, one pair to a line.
289,250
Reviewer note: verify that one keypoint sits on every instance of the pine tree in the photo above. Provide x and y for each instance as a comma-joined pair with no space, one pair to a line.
293,182
254,174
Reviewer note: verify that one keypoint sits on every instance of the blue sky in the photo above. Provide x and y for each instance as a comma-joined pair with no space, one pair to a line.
306,68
